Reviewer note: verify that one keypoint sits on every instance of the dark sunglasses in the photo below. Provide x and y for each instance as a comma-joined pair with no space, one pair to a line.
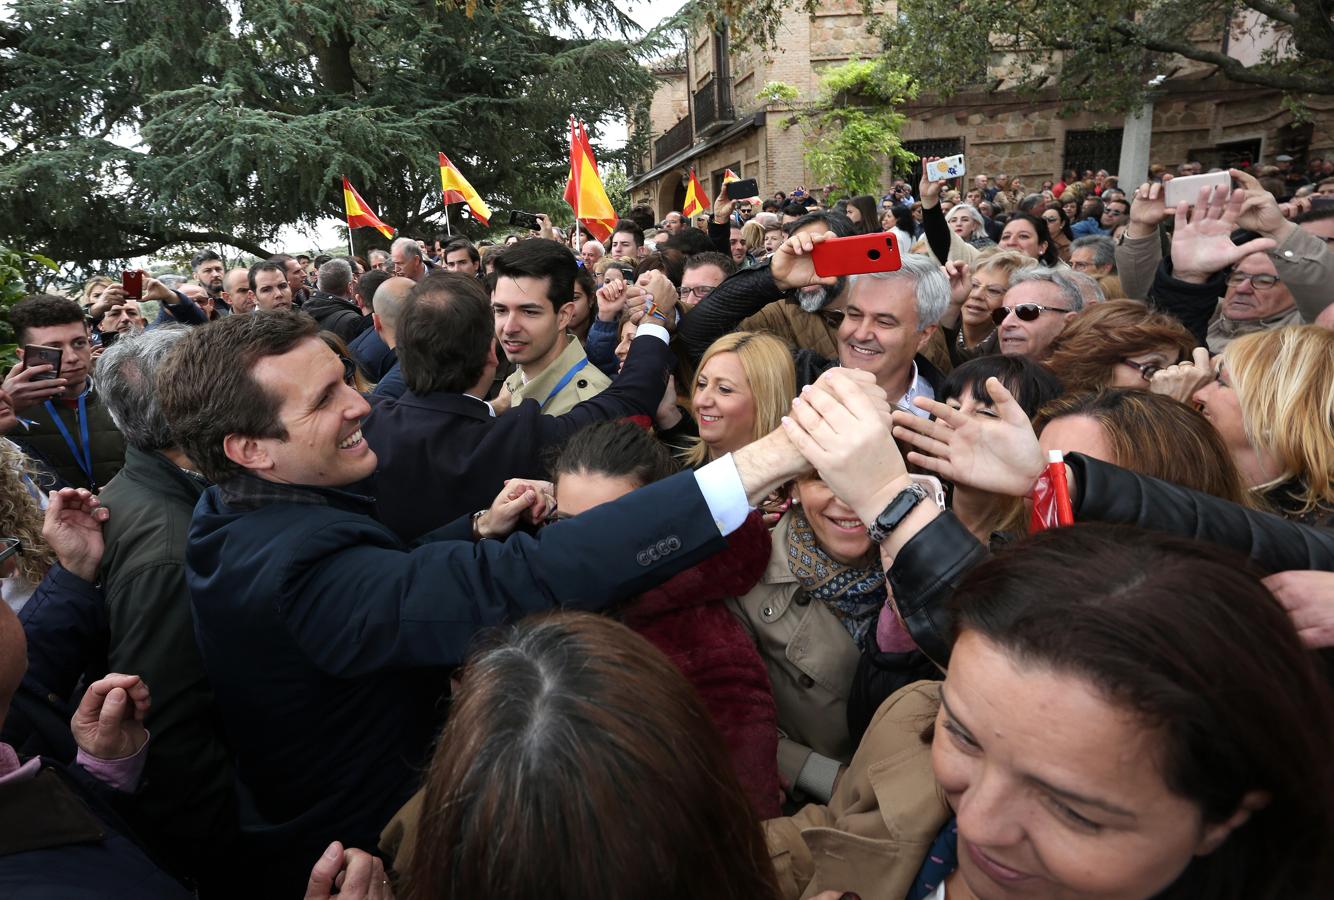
1027,312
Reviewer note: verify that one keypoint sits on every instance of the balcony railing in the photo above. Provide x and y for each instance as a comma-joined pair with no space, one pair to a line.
677,138
713,105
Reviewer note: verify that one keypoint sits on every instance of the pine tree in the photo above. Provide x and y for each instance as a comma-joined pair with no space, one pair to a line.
137,125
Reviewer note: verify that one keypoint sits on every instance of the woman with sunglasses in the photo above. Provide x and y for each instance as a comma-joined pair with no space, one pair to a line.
1272,401
1058,226
1118,344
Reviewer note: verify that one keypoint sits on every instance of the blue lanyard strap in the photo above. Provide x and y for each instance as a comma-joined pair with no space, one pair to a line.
82,456
560,385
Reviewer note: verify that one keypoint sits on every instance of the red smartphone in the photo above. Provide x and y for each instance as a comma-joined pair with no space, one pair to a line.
133,283
857,255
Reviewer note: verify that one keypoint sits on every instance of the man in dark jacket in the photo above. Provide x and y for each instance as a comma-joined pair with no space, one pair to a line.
442,450
331,304
327,640
369,349
62,422
186,811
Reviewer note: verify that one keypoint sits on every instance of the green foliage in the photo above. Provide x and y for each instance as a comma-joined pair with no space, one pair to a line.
144,124
854,126
778,92
17,270
1096,55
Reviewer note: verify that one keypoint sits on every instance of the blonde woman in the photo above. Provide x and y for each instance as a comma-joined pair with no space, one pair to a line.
1272,401
967,325
743,387
753,232
21,505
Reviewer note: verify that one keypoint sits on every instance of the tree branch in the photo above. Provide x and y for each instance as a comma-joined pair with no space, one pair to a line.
1278,13
163,238
1232,68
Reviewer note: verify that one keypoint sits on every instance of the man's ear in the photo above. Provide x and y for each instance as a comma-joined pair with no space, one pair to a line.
375,323
925,336
247,452
565,315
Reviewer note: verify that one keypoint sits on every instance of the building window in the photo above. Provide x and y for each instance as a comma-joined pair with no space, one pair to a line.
1093,150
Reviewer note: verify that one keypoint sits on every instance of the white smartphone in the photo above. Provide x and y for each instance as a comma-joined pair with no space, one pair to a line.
945,169
1187,188
933,487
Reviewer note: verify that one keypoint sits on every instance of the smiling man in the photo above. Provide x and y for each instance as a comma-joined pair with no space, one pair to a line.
533,303
1037,307
327,640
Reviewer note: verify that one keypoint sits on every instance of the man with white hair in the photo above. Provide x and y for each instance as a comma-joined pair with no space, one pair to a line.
408,259
332,306
591,252
1037,307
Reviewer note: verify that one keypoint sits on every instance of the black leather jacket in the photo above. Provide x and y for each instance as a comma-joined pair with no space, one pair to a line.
931,564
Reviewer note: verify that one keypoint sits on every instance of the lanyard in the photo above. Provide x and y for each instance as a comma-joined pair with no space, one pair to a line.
574,370
83,457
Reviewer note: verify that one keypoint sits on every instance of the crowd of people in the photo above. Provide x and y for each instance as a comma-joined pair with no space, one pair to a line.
666,567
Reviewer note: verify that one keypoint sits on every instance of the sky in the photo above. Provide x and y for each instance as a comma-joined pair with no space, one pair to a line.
326,235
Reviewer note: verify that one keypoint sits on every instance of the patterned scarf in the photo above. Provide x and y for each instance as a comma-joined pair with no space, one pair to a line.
853,594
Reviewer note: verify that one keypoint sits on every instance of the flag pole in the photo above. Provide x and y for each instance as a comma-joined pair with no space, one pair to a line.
351,251
578,233
448,231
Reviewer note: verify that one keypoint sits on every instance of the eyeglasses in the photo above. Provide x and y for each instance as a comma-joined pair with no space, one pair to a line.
700,291
1027,312
1114,213
349,370
1263,282
1080,265
1146,370
991,290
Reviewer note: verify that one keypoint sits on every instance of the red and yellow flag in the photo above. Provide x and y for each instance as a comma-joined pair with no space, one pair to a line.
696,200
729,175
584,190
457,190
359,212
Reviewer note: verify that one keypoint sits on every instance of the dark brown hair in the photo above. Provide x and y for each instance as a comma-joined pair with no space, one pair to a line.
578,763
1157,436
1103,335
207,390
446,331
1185,636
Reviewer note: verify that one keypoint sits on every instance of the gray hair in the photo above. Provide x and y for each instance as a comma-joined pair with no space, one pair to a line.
1104,249
602,251
970,209
335,277
1089,287
1062,278
408,245
126,382
930,287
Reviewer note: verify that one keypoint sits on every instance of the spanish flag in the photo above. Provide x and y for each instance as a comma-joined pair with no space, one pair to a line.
584,190
729,175
696,200
359,212
457,190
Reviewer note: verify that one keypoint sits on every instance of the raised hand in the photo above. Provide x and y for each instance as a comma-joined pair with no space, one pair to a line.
1000,455
611,300
520,498
73,529
929,191
1148,210
1258,211
1309,599
722,206
109,723
1181,381
156,290
1202,240
841,425
25,387
663,294
961,284
791,264
349,874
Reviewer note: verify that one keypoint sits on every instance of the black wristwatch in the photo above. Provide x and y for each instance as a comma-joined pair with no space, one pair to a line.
896,512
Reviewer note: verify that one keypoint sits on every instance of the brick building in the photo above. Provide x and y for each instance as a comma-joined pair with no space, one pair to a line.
706,115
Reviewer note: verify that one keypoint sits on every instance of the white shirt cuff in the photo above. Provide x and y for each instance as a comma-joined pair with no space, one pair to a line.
721,486
647,328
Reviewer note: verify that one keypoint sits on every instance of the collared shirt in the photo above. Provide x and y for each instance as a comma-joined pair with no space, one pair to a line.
489,408
918,387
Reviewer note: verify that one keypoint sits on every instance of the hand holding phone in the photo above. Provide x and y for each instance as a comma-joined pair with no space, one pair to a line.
946,168
132,282
40,355
743,189
857,255
1186,188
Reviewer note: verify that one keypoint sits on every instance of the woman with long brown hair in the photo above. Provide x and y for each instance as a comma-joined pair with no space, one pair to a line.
1118,344
577,764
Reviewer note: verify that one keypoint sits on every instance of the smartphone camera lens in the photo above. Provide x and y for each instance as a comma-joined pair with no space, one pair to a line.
873,254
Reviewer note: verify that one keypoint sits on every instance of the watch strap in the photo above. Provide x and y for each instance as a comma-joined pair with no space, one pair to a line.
903,503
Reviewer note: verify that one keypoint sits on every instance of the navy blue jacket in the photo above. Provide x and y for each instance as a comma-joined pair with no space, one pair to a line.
373,355
443,455
328,641
391,386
